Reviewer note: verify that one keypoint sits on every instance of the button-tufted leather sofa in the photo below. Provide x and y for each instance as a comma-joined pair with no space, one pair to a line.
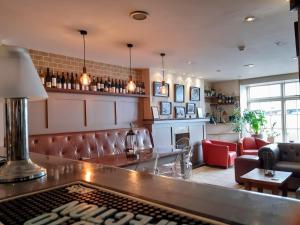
89,144
282,157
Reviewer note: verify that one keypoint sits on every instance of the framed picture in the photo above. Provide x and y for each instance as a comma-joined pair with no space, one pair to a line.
200,112
157,89
195,94
165,108
179,112
179,92
155,113
190,108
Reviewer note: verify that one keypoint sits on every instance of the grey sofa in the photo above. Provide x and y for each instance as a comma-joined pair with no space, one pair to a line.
283,157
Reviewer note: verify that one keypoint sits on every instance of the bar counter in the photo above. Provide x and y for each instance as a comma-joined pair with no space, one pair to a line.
226,205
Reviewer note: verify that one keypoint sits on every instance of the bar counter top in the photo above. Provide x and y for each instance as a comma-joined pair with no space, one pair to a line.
224,204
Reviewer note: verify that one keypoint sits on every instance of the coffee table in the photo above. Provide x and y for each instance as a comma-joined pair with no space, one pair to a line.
257,178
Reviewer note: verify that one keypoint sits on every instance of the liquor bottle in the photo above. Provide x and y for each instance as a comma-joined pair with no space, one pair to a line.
72,81
101,85
48,79
98,84
42,76
88,87
53,80
120,87
77,82
143,88
58,81
109,85
113,87
123,87
106,86
68,82
94,84
63,81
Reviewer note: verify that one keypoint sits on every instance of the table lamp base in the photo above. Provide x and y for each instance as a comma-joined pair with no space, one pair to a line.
21,170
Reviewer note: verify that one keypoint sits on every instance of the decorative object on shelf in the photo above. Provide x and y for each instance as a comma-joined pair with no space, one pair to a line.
84,79
157,89
200,112
131,85
19,81
130,143
190,108
155,113
237,120
163,83
195,94
220,109
179,92
179,112
165,108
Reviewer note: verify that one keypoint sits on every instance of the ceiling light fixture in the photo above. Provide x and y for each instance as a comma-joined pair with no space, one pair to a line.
189,62
84,79
139,15
131,85
163,83
249,19
249,65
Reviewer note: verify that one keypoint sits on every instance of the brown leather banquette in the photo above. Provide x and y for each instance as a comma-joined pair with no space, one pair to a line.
88,144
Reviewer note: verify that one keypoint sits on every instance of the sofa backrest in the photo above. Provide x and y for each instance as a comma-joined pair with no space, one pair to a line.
87,144
289,152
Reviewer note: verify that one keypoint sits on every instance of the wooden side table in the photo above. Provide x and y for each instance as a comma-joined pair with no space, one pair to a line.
257,178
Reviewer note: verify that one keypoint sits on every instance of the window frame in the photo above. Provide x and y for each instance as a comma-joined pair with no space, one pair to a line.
282,98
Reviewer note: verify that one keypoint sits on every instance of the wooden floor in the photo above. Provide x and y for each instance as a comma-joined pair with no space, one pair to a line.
221,177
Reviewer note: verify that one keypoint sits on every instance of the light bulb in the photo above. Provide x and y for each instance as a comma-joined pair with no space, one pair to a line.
85,79
131,86
163,89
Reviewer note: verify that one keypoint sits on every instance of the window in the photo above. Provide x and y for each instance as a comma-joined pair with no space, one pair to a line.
282,108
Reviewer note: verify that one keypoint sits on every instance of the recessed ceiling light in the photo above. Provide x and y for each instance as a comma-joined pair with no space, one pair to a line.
189,62
249,19
139,15
249,65
218,71
295,58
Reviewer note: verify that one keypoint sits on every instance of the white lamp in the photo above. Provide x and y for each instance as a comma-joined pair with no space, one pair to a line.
19,82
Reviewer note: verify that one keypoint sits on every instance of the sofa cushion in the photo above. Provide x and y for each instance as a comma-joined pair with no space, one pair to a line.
250,152
289,152
87,144
249,143
287,166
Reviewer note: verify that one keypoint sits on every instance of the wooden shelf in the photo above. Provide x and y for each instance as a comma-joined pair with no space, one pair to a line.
72,91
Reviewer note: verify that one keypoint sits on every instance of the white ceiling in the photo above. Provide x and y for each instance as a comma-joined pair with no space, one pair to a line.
205,32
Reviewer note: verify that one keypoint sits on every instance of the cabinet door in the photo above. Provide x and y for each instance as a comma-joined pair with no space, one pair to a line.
162,137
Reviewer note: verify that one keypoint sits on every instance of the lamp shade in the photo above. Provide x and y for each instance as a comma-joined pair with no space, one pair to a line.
18,76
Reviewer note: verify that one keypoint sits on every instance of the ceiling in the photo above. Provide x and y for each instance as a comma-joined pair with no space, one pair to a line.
207,33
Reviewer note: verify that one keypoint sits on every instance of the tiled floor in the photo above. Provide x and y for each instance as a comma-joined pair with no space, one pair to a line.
220,177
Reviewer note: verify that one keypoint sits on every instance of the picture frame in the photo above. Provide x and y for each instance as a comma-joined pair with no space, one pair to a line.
190,108
200,112
157,89
179,112
179,93
155,113
165,108
194,93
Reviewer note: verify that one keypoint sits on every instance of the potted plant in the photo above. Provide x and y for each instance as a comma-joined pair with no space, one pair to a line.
256,120
272,134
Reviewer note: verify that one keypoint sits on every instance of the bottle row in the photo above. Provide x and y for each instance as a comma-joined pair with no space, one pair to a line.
71,81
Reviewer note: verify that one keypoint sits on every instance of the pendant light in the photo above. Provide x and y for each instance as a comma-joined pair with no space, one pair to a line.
131,85
84,79
163,89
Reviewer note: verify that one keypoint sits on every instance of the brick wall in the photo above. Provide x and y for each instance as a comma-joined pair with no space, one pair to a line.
62,63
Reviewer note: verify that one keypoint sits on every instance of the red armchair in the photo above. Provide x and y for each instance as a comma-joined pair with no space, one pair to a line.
219,153
251,145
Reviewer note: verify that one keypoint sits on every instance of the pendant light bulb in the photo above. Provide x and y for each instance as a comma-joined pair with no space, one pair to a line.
131,85
84,79
163,88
